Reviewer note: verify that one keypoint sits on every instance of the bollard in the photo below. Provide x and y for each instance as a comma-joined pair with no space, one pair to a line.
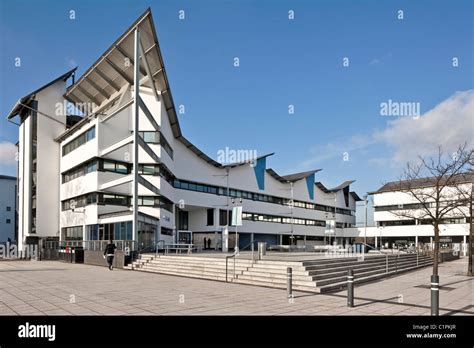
289,282
435,295
350,288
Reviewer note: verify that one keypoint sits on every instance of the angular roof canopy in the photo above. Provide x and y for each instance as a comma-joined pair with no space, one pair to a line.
28,98
115,68
291,177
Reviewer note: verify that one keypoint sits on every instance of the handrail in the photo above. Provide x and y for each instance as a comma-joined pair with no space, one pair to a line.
381,253
157,246
235,254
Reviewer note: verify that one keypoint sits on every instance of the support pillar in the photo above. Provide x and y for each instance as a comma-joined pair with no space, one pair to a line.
136,113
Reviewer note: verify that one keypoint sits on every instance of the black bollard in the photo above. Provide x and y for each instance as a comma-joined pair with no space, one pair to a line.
435,295
289,282
350,288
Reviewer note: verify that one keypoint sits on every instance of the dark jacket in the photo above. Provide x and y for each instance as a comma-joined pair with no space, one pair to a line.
110,249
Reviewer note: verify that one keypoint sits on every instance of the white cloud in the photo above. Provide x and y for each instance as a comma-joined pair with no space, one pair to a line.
336,149
8,153
449,124
374,61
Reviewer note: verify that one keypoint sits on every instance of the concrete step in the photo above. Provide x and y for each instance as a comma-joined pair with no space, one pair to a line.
335,272
193,268
219,277
365,273
343,284
346,263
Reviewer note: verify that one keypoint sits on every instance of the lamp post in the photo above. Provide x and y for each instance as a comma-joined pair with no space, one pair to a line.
365,220
236,243
73,205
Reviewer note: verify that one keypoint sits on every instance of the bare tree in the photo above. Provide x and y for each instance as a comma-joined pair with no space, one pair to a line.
433,186
466,194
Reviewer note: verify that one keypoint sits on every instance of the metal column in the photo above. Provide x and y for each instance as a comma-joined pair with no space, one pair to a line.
136,109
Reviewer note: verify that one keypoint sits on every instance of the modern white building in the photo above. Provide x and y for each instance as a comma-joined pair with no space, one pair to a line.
125,171
8,198
399,218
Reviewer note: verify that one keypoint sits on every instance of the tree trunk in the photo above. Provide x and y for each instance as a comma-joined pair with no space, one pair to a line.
436,249
470,248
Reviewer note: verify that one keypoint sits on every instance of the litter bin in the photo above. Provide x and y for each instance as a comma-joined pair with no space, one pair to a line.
262,249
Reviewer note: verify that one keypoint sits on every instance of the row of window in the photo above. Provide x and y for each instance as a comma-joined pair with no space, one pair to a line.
116,231
156,202
218,190
99,164
105,165
289,220
112,199
156,137
72,233
424,222
79,140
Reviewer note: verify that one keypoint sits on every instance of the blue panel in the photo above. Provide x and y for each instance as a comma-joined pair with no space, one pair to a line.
260,172
271,239
310,184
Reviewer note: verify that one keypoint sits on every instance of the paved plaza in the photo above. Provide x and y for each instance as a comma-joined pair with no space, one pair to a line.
56,288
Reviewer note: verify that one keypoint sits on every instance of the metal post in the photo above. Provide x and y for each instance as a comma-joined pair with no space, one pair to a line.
136,112
289,282
350,288
226,262
435,295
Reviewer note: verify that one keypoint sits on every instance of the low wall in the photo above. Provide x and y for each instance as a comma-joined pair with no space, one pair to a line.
96,257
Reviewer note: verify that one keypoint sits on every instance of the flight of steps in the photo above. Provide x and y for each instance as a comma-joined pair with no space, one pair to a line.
330,274
188,266
322,275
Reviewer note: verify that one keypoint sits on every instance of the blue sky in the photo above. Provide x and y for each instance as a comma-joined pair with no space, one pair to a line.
282,62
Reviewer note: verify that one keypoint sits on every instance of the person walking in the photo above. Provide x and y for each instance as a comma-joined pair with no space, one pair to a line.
205,241
209,243
109,252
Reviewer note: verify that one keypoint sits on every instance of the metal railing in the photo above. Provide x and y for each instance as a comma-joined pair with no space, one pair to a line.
234,256
381,253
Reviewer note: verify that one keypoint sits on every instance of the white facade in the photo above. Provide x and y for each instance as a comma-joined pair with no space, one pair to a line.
85,174
7,208
398,217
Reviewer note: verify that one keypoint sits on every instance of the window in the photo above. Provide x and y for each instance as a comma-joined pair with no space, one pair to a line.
210,217
9,221
90,134
72,233
166,231
91,167
121,168
79,140
223,217
148,169
183,220
109,166
9,208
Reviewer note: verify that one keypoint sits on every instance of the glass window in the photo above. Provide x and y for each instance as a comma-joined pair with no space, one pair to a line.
90,134
149,201
210,217
121,168
91,167
9,221
109,166
9,208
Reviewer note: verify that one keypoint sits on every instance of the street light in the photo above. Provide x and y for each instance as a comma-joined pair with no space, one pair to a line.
236,243
365,220
73,205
